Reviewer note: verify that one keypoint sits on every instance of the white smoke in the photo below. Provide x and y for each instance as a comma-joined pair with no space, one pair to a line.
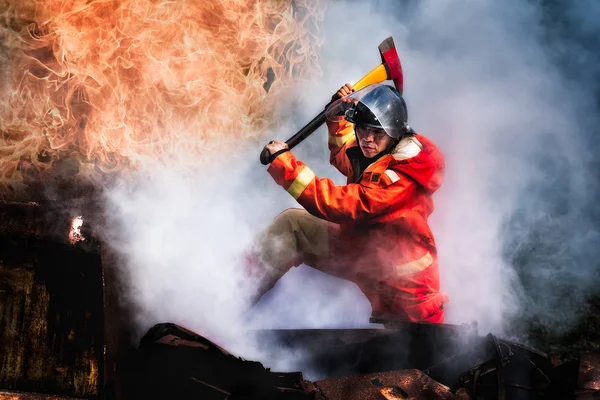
480,82
477,82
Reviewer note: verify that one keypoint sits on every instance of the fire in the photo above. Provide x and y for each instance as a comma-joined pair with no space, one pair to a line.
75,231
107,84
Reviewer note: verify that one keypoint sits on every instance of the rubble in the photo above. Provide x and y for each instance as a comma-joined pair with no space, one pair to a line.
171,357
11,395
51,307
589,372
173,362
64,335
403,384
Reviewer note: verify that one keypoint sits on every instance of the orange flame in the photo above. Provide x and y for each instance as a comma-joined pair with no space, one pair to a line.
107,84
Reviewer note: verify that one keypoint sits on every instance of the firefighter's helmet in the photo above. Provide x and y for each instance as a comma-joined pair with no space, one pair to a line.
375,106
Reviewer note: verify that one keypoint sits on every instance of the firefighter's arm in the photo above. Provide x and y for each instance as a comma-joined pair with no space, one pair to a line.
341,135
320,197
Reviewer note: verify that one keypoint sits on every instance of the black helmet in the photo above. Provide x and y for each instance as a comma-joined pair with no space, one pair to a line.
375,106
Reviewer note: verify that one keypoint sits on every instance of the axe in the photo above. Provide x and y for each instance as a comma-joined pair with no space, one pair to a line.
389,69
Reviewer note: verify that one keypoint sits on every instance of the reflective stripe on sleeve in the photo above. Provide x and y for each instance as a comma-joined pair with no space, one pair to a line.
415,266
301,182
339,141
393,175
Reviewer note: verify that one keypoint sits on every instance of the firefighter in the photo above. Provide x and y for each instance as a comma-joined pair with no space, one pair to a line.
372,231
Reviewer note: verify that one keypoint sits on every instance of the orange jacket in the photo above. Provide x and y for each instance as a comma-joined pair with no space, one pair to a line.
382,217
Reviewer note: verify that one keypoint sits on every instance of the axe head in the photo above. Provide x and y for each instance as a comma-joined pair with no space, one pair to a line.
391,61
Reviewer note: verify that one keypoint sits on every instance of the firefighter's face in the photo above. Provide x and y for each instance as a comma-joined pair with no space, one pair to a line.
372,141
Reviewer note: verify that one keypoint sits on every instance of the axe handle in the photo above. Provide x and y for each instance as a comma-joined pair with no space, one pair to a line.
306,131
376,75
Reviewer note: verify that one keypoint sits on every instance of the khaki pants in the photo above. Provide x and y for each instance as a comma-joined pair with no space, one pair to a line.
296,237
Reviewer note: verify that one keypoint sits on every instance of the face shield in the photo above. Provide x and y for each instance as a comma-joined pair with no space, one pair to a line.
375,106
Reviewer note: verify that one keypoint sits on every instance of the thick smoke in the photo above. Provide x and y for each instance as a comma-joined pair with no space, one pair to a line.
554,228
508,99
485,85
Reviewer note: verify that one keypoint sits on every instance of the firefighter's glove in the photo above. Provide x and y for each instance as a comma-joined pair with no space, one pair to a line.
275,148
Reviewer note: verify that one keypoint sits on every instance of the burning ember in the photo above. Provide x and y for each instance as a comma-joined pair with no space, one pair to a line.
108,84
75,233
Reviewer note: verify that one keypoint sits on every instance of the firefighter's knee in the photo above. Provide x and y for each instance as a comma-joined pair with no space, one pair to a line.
278,244
286,222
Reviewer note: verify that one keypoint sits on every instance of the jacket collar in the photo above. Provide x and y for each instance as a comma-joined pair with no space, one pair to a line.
407,148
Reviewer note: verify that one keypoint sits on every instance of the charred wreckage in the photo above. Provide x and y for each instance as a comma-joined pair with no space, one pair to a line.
64,334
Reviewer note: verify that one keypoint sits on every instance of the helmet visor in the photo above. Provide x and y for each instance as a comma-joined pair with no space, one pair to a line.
383,102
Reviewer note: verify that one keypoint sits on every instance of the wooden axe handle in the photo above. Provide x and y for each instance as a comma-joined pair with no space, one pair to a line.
376,75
